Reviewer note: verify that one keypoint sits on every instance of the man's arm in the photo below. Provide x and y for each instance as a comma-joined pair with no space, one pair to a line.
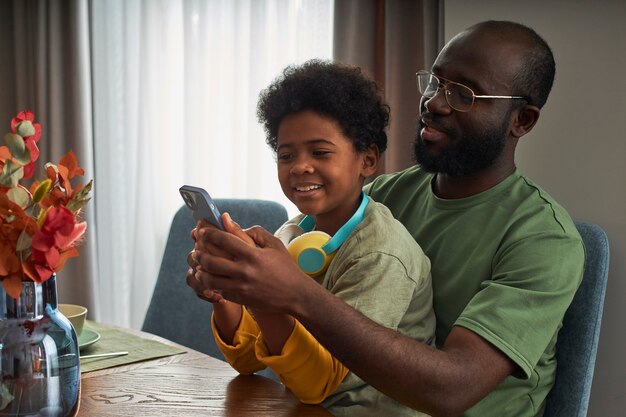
442,382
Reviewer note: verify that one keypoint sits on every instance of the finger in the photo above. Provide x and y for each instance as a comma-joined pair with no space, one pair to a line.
201,223
224,244
210,296
233,228
200,288
213,270
205,244
263,238
213,296
191,259
208,282
193,282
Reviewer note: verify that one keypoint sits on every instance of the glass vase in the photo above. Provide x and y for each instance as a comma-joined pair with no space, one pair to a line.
39,367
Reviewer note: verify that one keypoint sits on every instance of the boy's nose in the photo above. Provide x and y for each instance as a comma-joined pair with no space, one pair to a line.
302,167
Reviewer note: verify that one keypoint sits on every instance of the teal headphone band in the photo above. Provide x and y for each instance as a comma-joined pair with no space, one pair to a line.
308,223
313,250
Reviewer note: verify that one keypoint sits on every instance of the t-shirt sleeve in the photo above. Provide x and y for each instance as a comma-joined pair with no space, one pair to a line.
377,285
241,355
520,309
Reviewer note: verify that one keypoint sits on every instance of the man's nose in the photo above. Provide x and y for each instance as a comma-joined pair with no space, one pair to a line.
438,103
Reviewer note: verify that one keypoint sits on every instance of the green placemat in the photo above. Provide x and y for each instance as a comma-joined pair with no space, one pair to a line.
116,340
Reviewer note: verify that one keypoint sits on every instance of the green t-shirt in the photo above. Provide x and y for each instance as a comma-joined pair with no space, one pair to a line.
505,264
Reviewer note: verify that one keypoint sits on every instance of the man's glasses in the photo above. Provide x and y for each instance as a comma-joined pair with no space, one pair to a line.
458,96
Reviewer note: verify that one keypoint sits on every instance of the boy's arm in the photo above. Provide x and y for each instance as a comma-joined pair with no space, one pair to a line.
276,329
239,353
302,364
227,316
234,329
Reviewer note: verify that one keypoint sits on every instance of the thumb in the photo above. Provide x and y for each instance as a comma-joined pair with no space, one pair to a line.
234,229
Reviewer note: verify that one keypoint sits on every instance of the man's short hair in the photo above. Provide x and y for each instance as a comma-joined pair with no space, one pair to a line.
536,75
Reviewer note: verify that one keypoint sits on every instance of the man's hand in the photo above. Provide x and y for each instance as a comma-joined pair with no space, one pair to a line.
204,293
239,271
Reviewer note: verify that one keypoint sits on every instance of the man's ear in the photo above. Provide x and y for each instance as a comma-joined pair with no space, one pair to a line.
523,120
370,161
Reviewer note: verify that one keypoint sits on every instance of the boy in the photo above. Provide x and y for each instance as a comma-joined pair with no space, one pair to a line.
326,122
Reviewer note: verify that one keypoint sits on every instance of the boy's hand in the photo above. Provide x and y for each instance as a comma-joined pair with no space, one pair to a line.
233,228
212,297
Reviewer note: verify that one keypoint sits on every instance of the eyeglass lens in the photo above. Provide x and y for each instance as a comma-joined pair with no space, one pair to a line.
458,96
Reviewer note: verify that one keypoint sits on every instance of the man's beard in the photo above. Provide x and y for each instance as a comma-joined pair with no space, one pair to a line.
466,154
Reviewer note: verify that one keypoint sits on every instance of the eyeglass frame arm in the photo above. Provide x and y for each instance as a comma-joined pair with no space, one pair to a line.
487,96
475,96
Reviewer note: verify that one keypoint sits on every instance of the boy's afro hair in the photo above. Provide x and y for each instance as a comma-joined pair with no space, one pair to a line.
338,91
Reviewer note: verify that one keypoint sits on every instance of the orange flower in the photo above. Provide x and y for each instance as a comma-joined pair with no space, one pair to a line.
62,174
54,243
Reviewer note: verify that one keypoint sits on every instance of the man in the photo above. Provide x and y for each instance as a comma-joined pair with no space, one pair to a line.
506,258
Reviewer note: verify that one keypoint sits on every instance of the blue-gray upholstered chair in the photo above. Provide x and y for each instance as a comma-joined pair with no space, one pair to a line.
175,312
577,344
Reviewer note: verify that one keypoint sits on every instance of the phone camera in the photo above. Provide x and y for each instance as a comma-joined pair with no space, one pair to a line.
191,203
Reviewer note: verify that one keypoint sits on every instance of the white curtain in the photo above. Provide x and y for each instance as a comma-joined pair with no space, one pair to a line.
175,87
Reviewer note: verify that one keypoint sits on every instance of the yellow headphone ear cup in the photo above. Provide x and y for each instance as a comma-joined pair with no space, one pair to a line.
306,250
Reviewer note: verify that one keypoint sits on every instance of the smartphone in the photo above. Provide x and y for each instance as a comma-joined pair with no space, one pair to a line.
201,205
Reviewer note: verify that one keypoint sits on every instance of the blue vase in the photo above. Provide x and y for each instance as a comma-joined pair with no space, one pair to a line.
39,367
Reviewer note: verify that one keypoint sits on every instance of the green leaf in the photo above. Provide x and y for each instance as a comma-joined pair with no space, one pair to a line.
15,143
11,174
41,190
18,148
75,205
5,396
80,199
25,128
23,242
19,196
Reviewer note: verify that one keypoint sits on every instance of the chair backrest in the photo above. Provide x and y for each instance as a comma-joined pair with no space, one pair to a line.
175,312
577,343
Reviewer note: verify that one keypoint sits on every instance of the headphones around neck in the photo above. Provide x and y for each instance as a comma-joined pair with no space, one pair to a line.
313,250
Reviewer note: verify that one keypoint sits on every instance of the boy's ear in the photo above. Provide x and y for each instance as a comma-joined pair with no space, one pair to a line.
370,161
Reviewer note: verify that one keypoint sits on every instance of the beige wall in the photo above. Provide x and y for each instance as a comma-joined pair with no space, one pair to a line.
577,152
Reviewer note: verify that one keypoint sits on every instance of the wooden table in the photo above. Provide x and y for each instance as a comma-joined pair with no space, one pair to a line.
189,384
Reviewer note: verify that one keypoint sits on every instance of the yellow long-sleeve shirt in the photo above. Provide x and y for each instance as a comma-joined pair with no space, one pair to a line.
304,365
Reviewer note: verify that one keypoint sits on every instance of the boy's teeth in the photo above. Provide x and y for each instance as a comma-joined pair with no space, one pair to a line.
308,188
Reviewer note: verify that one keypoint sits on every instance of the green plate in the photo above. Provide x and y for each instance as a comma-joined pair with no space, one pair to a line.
87,338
